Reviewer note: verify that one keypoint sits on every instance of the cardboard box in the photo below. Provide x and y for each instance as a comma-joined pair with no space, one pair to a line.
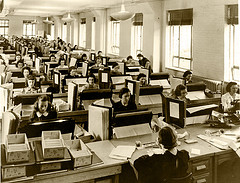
52,145
79,152
17,148
13,172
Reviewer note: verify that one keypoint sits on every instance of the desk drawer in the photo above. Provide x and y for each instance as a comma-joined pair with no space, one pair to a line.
204,178
201,166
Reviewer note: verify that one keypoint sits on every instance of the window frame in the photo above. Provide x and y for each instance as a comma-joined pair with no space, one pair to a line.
33,29
82,33
115,37
232,49
4,27
136,40
171,49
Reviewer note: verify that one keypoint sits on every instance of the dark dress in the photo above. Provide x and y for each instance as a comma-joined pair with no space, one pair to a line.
118,107
159,168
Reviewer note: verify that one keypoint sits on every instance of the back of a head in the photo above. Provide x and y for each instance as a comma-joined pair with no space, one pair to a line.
178,89
140,76
167,137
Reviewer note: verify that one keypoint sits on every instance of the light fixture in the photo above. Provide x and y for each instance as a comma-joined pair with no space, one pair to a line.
123,14
47,21
35,21
68,18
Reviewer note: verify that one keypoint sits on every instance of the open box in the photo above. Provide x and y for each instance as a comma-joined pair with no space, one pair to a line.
52,145
17,148
79,152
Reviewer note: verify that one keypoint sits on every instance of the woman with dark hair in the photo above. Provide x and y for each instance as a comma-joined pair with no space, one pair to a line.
162,167
20,64
115,70
43,109
181,93
143,80
91,83
62,63
187,77
125,103
30,85
231,98
26,71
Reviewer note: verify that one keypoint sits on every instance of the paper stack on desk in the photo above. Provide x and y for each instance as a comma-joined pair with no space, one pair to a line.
122,152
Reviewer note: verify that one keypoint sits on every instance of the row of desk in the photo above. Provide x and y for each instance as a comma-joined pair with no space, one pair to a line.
205,166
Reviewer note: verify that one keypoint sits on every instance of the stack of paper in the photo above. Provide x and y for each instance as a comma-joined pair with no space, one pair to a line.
122,152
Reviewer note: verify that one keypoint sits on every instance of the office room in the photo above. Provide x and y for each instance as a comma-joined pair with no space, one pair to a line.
120,91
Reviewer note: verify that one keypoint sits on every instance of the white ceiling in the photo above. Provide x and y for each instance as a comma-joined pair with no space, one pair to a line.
46,8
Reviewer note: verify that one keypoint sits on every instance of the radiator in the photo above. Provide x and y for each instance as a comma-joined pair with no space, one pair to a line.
213,85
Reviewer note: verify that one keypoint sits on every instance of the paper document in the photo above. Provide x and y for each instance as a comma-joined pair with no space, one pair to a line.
196,95
174,110
104,77
199,108
122,152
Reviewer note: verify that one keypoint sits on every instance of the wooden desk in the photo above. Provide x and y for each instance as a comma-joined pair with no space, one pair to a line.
204,166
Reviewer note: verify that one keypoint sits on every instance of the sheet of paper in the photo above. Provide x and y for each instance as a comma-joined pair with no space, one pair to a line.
56,79
122,152
72,62
199,108
196,95
121,67
196,151
145,100
79,81
104,77
156,99
174,109
130,87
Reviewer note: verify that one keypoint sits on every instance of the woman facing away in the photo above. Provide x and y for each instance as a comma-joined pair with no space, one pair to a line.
160,168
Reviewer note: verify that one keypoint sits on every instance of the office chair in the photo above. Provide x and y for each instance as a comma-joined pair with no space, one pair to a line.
186,179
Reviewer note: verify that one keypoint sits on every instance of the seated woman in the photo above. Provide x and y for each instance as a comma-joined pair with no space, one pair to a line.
115,70
62,63
181,93
130,61
72,73
142,78
20,64
162,167
98,62
91,83
52,58
26,71
30,83
125,103
230,98
43,109
187,77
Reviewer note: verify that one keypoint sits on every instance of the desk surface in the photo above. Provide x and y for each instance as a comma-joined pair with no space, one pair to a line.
113,166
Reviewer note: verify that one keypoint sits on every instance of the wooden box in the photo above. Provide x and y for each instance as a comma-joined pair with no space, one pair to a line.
17,148
52,145
80,154
10,171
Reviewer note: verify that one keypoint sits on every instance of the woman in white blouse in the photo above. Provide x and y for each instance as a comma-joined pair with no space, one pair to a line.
230,98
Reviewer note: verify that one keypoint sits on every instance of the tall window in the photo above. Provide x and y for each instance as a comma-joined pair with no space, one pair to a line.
115,40
232,20
29,29
93,33
52,31
83,33
137,34
4,26
180,38
64,31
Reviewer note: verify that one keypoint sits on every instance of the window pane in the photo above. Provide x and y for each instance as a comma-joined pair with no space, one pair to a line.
175,40
185,41
185,64
237,46
1,31
175,62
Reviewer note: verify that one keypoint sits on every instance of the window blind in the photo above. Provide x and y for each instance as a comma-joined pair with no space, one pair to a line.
180,17
232,14
137,20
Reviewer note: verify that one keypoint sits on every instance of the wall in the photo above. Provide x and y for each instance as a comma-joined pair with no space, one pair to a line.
16,24
209,35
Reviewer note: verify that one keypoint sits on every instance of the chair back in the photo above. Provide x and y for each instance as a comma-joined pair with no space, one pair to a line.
186,179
